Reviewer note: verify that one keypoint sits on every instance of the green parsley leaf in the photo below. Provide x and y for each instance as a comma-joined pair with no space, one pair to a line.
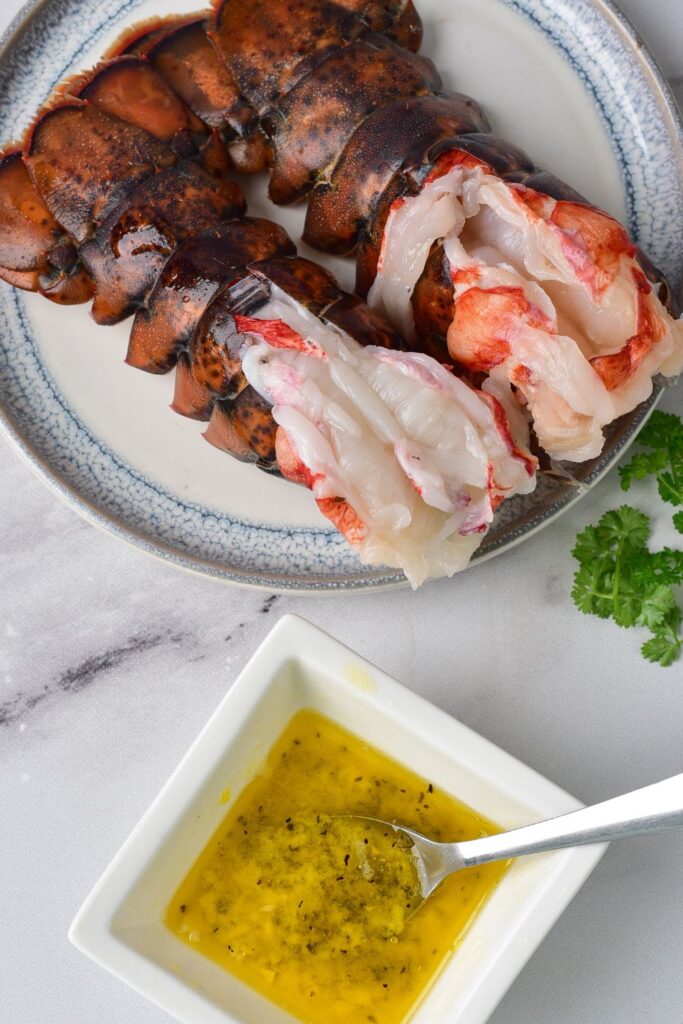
661,430
662,649
670,485
666,566
663,433
620,578
642,465
591,592
678,521
659,608
621,528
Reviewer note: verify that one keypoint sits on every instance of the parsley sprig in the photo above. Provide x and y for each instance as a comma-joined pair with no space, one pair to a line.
619,577
663,435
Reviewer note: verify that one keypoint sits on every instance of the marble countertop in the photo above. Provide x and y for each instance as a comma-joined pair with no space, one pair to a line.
110,663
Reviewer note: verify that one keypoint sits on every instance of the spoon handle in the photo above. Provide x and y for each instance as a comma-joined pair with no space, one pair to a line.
654,808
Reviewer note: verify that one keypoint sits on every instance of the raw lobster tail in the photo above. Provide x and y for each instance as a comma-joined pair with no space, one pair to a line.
408,181
406,460
490,270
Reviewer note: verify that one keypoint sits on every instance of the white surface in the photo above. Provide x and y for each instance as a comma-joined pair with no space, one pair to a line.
110,663
298,666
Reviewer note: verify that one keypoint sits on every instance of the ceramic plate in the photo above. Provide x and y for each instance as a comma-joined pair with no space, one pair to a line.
566,79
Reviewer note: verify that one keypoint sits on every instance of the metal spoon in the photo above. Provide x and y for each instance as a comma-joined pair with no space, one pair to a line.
655,808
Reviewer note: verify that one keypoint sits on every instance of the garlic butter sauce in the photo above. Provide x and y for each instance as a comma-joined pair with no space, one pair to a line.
317,912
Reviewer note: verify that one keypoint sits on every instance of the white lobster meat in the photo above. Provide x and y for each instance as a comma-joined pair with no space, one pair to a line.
549,299
407,460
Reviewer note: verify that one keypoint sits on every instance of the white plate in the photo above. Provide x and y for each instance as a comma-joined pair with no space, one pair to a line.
566,79
121,926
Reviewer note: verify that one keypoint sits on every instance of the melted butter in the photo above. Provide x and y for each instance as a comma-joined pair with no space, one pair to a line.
316,912
360,677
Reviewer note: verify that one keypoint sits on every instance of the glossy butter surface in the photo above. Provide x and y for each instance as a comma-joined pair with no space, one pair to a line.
315,912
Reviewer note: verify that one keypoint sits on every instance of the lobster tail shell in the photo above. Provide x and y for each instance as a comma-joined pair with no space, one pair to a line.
396,19
339,93
216,343
433,305
245,429
133,243
269,47
84,161
396,136
190,398
189,281
137,40
315,289
130,88
306,282
35,252
187,60
28,231
182,54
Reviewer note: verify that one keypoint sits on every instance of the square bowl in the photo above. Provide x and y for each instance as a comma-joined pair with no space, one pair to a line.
121,924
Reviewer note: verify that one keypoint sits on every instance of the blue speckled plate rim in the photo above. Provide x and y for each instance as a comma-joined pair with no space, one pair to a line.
633,36
374,579
632,40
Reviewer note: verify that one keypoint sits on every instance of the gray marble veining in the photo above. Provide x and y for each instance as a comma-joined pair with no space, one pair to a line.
111,662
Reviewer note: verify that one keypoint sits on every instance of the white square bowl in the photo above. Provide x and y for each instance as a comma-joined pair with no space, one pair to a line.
121,927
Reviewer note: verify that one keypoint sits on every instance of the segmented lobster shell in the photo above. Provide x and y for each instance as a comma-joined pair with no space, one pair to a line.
35,252
130,88
138,39
129,177
84,161
189,281
269,47
130,246
395,137
187,60
211,381
312,125
396,19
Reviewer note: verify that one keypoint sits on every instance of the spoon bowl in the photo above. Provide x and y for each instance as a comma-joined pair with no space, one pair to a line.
433,861
655,808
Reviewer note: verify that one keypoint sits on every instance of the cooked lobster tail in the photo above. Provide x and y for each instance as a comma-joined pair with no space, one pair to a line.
152,231
36,254
164,326
467,252
123,194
